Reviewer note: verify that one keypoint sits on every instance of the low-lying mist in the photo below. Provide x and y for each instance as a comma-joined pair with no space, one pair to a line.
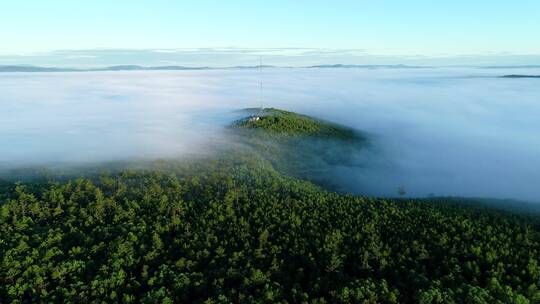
442,131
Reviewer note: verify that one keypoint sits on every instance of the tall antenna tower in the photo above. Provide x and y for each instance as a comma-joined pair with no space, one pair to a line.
260,85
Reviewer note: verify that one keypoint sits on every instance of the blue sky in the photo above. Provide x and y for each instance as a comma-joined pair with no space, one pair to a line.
379,28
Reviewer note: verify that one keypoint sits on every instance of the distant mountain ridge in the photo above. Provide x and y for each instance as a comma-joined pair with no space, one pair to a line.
530,66
25,68
520,76
30,68
369,66
133,67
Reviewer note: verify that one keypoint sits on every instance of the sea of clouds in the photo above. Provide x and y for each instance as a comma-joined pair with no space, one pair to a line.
440,131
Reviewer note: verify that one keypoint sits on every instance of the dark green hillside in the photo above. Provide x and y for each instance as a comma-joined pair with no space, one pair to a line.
299,145
234,229
275,121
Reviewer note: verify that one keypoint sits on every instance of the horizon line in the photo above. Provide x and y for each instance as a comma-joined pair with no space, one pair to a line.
7,68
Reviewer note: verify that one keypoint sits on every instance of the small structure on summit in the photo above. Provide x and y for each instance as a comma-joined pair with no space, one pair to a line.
254,118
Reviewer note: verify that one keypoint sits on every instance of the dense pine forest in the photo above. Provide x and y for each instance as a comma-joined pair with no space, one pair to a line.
256,225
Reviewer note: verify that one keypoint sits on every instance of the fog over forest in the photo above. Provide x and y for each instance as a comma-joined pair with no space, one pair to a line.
440,131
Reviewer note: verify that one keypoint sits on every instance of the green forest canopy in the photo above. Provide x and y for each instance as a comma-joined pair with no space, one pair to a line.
276,121
235,228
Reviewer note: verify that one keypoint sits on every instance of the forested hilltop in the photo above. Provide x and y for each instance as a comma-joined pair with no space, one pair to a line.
238,227
300,146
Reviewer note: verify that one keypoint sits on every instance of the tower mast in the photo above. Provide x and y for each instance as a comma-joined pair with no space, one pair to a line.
260,84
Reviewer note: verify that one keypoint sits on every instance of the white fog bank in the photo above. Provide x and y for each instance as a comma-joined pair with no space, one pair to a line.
444,131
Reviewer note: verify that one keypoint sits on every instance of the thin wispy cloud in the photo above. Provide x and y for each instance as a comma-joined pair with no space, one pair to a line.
223,57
